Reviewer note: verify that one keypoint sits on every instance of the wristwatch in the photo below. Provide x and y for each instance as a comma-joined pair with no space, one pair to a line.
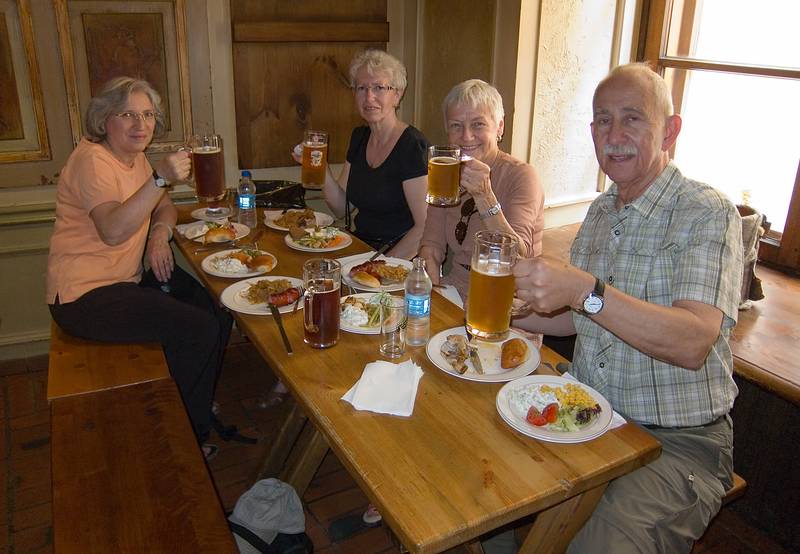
159,180
493,210
594,302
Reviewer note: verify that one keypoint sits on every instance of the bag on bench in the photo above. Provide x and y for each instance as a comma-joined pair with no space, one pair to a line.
269,519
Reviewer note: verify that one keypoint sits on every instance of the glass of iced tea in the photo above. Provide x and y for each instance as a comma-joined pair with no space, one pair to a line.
315,159
322,282
491,285
444,175
208,167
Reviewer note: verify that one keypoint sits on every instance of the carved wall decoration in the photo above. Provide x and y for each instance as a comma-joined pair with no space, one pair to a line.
146,39
23,135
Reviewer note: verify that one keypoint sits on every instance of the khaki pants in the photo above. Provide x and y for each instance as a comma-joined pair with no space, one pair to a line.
666,505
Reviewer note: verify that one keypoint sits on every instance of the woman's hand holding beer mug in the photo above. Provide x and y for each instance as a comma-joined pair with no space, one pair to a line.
475,180
547,285
175,166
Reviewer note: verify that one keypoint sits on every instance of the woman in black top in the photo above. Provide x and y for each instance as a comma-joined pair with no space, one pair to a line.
386,172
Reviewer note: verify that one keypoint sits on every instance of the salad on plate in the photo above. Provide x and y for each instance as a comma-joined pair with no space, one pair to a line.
567,407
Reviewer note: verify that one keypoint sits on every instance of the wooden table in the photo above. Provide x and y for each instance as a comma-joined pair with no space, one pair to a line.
453,470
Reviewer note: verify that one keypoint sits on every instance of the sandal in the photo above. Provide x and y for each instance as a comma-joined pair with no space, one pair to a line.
372,517
210,451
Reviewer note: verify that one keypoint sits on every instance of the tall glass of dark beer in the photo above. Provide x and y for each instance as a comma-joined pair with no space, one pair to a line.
208,167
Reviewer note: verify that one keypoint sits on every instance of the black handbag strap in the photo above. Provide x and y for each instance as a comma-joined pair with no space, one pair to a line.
257,542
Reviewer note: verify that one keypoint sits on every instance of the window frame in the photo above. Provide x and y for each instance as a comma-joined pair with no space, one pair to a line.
780,249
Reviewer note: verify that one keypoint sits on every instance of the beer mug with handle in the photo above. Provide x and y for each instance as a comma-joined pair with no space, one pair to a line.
322,279
208,167
491,285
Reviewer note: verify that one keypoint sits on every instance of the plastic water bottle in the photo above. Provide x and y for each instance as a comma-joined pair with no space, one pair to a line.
247,201
418,304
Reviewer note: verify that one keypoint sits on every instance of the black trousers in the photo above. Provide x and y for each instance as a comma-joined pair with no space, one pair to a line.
190,325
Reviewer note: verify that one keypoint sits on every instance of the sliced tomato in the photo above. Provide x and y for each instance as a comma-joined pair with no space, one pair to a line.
550,412
535,417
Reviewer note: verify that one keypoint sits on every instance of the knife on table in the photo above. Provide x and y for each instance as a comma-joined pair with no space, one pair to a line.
382,250
276,315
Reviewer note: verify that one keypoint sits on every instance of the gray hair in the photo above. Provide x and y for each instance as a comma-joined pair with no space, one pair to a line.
378,61
643,73
475,94
112,99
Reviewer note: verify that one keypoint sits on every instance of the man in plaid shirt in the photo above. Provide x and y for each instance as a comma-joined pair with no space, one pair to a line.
652,292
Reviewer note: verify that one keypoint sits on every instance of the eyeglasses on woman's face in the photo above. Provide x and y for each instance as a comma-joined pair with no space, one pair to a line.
467,211
377,90
148,116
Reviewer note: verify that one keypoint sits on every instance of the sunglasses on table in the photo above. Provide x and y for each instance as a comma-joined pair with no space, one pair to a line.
467,210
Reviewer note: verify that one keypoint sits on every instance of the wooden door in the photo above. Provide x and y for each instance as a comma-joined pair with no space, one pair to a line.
291,62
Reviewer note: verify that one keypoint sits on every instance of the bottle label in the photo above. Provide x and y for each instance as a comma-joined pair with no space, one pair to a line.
247,201
418,306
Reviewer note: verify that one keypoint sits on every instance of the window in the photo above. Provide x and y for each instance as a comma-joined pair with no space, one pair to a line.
734,70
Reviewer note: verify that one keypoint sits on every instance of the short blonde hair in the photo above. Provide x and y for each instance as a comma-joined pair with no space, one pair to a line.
378,61
476,94
645,74
112,99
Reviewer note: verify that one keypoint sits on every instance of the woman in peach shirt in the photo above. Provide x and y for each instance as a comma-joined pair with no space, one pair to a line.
111,210
502,192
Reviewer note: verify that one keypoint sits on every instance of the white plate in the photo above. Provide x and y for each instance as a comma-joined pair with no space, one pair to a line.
345,326
489,353
385,288
323,219
209,268
203,215
513,415
196,231
290,242
233,298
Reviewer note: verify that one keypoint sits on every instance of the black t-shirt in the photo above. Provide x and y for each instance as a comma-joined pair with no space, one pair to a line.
383,213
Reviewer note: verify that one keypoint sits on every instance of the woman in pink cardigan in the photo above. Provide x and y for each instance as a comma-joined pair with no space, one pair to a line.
502,192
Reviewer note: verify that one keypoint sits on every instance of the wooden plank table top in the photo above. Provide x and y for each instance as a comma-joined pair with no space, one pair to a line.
453,470
149,481
79,366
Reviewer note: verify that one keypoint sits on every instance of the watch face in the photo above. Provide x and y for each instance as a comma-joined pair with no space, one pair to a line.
593,304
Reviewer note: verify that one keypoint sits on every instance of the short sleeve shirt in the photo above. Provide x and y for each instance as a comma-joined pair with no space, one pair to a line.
79,261
377,192
680,240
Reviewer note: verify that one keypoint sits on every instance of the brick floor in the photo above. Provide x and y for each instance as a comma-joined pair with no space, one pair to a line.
25,502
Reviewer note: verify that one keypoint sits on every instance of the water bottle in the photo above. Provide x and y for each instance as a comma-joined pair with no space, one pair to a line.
418,304
247,201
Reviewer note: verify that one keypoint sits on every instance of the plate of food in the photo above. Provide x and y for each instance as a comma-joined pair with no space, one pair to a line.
251,296
239,262
553,408
382,275
209,232
361,313
478,360
284,220
316,239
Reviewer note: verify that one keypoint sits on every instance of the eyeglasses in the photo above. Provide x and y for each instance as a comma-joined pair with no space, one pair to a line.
467,209
129,117
377,90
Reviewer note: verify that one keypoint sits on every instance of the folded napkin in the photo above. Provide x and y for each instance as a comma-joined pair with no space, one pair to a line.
355,257
451,293
386,388
616,420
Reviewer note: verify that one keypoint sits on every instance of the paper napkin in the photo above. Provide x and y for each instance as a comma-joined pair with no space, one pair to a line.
616,420
355,257
451,293
386,388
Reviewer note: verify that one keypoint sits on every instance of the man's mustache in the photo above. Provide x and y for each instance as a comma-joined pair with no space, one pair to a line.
614,150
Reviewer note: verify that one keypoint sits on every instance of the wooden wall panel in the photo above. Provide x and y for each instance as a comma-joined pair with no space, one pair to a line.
291,64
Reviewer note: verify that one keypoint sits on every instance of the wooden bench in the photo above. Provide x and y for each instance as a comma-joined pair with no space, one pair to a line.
127,473
79,366
737,490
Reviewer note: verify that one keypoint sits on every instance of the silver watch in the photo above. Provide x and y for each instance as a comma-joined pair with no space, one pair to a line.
159,181
594,302
493,210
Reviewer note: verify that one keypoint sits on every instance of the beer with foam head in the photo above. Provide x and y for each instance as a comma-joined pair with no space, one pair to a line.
315,159
491,285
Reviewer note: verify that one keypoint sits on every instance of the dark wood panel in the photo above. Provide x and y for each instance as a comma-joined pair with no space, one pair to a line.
128,475
315,10
284,88
351,31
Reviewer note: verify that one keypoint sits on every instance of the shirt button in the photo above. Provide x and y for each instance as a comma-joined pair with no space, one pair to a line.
602,364
610,278
616,232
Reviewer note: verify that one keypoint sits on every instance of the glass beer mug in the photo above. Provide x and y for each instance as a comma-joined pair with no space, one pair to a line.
322,282
491,285
208,167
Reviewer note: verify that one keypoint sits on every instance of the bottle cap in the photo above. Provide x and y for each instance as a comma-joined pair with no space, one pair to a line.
246,173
